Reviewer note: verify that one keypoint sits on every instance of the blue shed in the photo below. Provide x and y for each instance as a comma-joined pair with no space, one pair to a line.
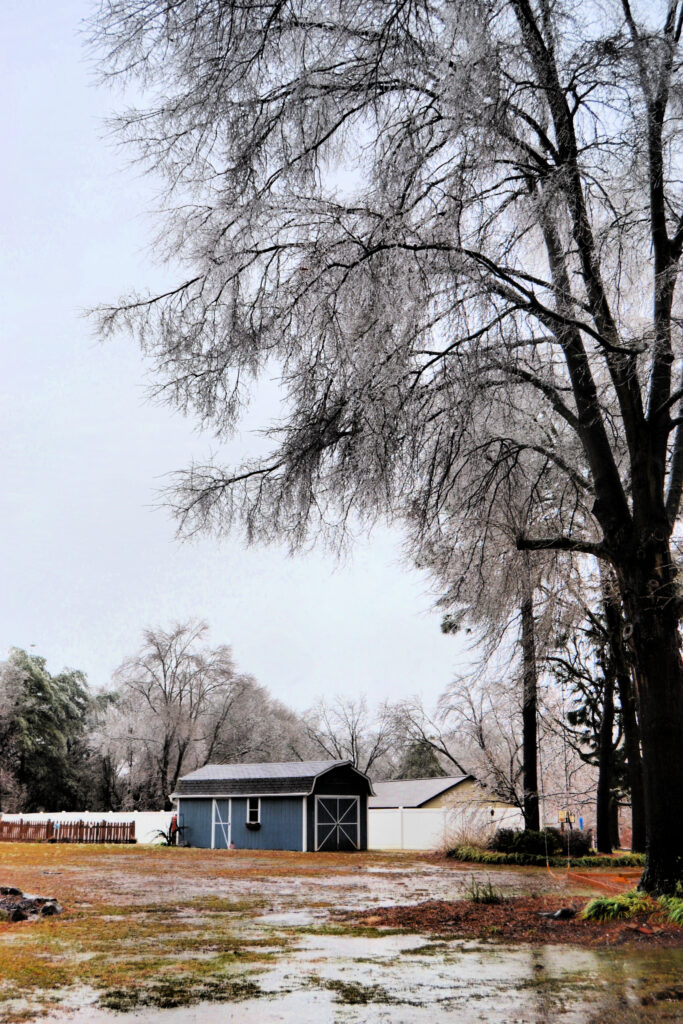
297,805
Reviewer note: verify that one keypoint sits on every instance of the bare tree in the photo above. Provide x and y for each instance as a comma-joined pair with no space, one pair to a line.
415,725
176,695
476,730
257,728
420,213
345,729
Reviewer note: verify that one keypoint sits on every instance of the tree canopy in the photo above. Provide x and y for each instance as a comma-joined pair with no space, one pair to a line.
455,229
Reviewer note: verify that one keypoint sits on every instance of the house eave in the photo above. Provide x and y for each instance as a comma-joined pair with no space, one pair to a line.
233,796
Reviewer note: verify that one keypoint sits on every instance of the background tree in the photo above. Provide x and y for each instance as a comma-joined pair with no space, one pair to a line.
45,756
345,729
476,730
592,665
176,697
501,593
419,761
179,704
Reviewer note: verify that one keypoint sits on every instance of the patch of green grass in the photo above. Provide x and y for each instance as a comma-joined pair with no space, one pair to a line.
135,959
486,893
355,994
180,991
429,949
623,906
364,931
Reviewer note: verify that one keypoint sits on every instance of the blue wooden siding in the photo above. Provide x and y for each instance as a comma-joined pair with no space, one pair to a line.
194,816
281,824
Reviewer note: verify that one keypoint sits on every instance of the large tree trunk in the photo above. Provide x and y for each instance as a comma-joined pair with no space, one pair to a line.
650,601
614,837
629,718
633,759
606,763
529,725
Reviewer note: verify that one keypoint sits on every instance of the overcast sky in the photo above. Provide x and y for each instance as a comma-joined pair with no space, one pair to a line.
88,557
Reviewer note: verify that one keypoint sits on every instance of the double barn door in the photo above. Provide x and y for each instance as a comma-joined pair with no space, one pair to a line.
337,823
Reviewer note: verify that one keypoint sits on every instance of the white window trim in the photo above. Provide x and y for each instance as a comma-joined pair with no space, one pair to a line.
258,819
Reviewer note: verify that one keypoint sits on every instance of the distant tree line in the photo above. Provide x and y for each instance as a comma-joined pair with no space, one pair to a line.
180,702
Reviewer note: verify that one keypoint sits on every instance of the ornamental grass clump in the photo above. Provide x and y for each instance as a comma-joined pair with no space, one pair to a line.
622,906
483,893
673,905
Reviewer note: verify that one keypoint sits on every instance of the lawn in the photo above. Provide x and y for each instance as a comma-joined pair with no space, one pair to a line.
292,934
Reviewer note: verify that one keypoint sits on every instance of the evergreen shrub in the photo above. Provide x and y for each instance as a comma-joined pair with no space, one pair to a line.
475,855
549,842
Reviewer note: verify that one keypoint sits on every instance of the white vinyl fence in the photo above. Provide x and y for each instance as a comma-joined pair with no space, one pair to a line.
416,828
388,829
147,823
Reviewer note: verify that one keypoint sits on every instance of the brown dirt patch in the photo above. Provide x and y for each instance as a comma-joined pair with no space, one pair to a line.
518,919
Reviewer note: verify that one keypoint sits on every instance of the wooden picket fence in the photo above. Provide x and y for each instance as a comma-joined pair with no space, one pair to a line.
67,831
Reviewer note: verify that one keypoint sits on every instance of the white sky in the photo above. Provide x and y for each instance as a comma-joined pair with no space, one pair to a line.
87,560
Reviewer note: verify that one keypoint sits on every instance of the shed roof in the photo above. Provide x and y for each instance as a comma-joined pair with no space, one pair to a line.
278,778
412,792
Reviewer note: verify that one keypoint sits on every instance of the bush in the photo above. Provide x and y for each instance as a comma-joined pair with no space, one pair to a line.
574,843
473,855
596,860
622,906
508,840
469,831
549,841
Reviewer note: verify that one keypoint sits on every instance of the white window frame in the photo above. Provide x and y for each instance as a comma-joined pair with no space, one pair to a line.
336,796
258,810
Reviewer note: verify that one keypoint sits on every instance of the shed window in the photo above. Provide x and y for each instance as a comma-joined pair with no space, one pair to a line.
253,810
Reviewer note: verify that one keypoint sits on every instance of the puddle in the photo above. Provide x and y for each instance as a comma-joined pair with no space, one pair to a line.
408,979
386,871
294,918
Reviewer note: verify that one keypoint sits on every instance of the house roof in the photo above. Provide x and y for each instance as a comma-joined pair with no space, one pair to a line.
412,792
279,778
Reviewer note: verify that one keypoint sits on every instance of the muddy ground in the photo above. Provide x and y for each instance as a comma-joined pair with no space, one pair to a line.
173,936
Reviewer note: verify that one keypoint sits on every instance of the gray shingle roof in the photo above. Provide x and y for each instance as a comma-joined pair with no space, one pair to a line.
284,778
412,792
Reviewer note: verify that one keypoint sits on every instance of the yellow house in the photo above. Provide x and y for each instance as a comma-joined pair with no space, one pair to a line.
447,791
425,814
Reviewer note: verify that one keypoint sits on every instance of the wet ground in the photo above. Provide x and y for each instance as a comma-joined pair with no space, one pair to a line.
147,936
335,979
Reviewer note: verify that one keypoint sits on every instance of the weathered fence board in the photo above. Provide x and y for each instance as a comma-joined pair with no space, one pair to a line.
67,831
